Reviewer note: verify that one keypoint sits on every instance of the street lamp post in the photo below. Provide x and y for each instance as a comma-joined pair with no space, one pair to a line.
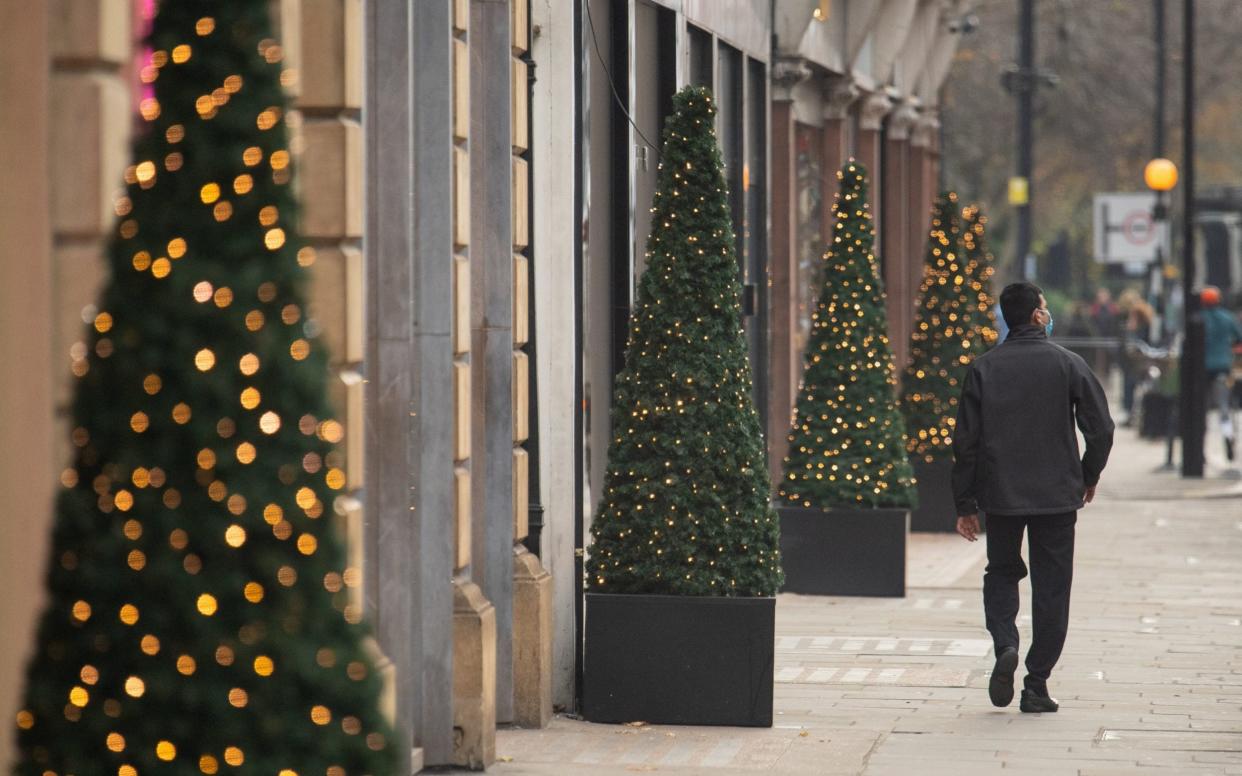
1021,80
1161,176
1191,377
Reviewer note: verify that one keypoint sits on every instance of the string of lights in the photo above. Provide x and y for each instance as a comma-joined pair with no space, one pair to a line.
201,613
846,445
685,508
954,323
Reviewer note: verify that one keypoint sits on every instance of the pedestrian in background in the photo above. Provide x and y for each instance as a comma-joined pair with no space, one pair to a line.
1221,331
1080,323
1136,317
1016,459
1106,322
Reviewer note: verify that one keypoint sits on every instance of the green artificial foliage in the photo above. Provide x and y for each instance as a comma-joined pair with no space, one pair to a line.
685,508
939,347
200,614
846,446
953,324
980,267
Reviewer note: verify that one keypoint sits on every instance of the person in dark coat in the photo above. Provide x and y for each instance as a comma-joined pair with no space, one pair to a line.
1016,459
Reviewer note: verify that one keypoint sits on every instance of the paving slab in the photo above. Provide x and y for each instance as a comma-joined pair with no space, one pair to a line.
1150,681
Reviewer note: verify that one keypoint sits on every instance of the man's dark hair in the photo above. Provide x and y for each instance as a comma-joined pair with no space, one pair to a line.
1018,301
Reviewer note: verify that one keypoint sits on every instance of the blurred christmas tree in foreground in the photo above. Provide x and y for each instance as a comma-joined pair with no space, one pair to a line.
846,448
685,509
953,324
200,617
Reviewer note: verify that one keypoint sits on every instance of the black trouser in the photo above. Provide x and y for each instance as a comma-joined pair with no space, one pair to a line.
1051,542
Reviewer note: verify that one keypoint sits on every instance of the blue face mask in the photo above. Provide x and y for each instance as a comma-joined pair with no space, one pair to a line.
1048,325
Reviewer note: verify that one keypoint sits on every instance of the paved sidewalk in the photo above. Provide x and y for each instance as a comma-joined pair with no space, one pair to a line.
1150,682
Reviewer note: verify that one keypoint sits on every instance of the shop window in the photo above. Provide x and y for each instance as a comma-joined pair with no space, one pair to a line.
701,59
811,237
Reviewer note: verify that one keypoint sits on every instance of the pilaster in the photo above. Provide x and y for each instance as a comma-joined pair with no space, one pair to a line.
91,106
922,188
841,97
474,677
472,190
323,60
871,113
494,377
554,320
531,638
786,361
27,311
410,437
899,253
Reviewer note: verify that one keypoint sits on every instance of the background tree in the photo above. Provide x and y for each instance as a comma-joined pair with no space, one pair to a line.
952,324
1094,130
847,447
685,508
198,616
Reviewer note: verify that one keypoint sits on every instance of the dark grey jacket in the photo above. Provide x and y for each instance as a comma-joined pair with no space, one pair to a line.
1014,447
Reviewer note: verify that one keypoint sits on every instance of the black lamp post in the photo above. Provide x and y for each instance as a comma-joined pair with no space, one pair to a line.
1160,176
1192,404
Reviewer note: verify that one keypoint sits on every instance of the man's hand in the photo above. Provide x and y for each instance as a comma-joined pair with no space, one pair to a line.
968,527
1089,494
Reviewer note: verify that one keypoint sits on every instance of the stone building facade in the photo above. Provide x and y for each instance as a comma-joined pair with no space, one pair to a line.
475,177
426,312
855,79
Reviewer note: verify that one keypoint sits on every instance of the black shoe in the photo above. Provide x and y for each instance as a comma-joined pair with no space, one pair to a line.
1034,703
1228,448
1000,688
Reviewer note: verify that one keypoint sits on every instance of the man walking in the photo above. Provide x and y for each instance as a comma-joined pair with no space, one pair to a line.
1016,458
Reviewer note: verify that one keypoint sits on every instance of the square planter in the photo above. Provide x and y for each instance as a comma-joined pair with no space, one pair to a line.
679,660
936,512
844,551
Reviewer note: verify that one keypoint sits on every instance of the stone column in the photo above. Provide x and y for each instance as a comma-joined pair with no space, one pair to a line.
410,433
494,364
322,44
556,318
926,138
867,150
93,109
532,584
786,361
27,307
840,94
898,255
474,616
922,188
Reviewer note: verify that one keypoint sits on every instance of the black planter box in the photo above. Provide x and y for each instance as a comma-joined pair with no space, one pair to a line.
936,512
844,551
679,660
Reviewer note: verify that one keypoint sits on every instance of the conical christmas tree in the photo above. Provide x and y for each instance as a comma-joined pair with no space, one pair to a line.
685,508
980,267
198,618
953,324
939,349
846,448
